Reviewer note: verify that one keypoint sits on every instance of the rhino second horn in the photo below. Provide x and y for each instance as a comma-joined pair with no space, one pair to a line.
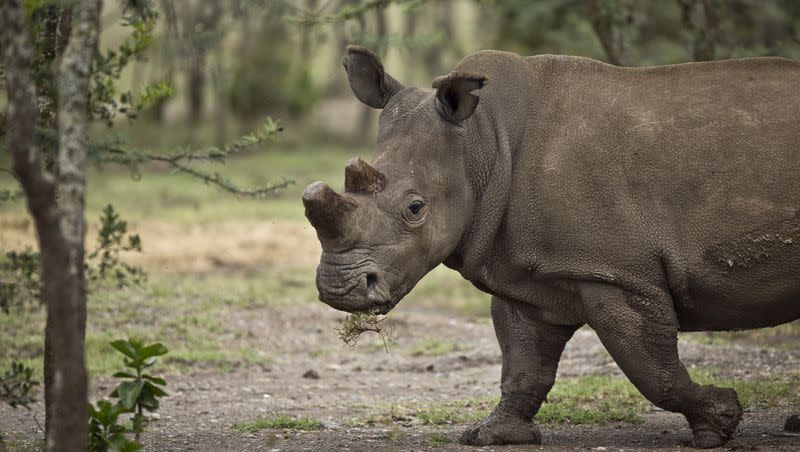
326,209
359,177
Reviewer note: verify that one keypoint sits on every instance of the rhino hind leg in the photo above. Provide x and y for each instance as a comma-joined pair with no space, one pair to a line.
531,350
641,334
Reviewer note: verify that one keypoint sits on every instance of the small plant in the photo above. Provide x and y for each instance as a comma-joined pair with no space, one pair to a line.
356,323
105,431
139,392
17,385
19,279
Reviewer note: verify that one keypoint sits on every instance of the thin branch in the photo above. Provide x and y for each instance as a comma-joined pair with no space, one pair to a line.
218,180
218,154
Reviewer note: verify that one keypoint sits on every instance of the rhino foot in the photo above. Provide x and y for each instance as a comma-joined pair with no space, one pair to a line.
501,428
716,420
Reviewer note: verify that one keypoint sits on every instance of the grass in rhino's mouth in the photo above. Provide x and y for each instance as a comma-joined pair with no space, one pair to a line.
350,328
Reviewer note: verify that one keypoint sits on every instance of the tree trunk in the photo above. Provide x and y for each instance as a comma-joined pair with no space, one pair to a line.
701,22
436,54
612,21
196,84
63,273
220,79
57,206
204,18
169,53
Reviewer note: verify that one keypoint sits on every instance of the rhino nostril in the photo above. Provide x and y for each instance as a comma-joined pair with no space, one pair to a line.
372,279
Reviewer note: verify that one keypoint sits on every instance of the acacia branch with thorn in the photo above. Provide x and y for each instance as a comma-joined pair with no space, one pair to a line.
220,154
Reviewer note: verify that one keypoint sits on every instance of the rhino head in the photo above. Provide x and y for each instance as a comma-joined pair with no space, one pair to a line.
405,214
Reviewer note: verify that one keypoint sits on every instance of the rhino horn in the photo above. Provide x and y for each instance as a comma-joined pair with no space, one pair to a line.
359,177
326,209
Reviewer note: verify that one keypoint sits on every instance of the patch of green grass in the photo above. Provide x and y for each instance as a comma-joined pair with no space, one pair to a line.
439,439
391,437
279,421
755,394
589,400
582,400
706,338
595,399
432,347
189,313
19,443
447,414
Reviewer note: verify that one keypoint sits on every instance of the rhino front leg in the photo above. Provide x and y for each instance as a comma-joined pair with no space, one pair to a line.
641,334
531,349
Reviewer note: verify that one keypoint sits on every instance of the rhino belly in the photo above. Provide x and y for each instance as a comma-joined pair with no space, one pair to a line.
750,284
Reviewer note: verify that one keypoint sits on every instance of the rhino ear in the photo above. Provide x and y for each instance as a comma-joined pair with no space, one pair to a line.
454,99
367,79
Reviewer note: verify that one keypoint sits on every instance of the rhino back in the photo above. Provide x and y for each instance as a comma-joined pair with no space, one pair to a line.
683,178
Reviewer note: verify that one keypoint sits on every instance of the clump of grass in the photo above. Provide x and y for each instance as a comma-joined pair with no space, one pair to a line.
355,324
447,414
593,399
279,421
439,439
753,394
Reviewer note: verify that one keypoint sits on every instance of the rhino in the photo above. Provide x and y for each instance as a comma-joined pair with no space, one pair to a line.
639,201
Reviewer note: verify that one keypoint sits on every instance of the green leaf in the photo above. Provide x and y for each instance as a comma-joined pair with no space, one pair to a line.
124,375
157,349
129,393
156,380
148,402
121,443
125,347
153,389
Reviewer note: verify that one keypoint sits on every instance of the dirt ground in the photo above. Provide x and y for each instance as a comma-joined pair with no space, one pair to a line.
363,381
352,383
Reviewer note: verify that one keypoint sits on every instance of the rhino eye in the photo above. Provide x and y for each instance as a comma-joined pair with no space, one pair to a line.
416,207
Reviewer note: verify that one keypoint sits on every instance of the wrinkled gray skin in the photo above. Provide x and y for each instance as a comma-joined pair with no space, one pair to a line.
639,201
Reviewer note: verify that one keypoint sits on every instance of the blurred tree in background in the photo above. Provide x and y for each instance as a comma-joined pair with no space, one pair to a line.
233,61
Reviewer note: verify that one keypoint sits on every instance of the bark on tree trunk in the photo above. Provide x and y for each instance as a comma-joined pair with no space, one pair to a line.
701,21
57,206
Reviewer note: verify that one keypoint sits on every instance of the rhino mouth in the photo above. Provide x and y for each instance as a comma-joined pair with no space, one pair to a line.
354,289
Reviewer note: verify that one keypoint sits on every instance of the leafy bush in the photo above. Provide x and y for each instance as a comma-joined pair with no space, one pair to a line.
103,263
17,385
20,270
